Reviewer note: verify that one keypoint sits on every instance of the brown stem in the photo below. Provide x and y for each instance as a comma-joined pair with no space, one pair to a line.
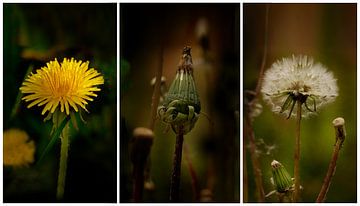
143,139
194,179
297,153
340,137
248,123
330,173
255,160
263,62
143,161
138,187
245,179
156,93
175,176
281,198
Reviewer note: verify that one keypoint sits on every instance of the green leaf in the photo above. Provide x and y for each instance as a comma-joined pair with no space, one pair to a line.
19,95
54,138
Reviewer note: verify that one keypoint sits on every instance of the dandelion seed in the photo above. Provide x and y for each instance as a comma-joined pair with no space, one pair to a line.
69,84
298,79
18,149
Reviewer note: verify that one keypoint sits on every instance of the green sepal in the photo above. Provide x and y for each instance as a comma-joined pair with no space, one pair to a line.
74,120
48,117
80,116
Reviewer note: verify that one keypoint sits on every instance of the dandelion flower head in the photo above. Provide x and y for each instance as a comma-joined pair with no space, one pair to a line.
69,84
18,150
298,78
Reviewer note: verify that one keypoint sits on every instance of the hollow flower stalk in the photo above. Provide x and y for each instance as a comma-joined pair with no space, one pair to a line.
298,78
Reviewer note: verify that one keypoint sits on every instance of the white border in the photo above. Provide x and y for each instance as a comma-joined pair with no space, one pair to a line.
241,136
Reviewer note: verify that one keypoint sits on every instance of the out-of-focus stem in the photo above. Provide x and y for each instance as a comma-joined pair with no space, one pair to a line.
255,160
143,139
156,93
144,164
245,179
340,137
194,181
248,121
263,62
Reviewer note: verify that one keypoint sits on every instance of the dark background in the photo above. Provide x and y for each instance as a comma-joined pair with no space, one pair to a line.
214,152
33,35
326,32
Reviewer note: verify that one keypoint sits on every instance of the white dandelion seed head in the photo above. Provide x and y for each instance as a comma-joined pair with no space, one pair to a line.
298,75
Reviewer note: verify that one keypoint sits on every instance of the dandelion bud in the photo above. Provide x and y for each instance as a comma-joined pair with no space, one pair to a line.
281,177
181,106
339,125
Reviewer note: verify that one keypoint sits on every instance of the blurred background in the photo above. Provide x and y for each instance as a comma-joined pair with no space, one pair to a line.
212,30
33,35
327,32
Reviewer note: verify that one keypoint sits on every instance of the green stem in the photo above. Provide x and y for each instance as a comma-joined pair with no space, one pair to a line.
297,153
63,162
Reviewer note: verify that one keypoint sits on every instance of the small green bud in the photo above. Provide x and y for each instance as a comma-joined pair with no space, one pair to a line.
181,106
281,177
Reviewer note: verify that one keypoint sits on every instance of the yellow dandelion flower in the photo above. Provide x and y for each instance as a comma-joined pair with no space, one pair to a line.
18,150
69,83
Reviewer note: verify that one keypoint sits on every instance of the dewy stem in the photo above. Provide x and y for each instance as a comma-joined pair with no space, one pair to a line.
297,153
63,162
175,176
